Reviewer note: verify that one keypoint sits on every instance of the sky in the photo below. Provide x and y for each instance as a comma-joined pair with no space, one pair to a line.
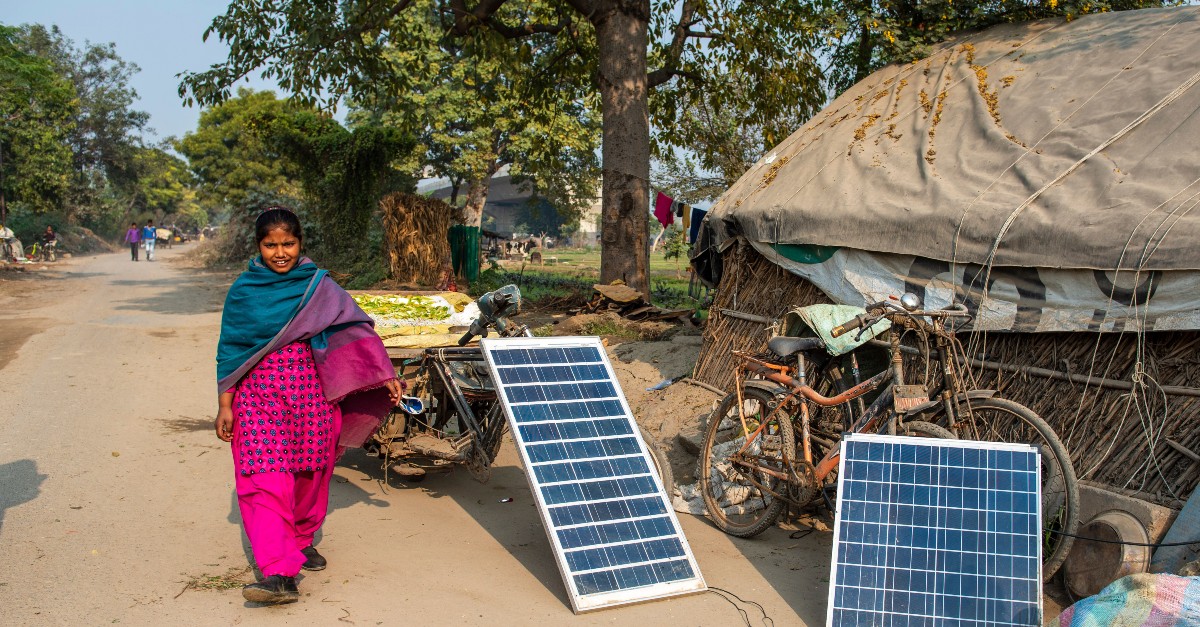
163,37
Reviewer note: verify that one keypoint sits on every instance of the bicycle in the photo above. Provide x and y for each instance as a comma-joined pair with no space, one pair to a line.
750,469
983,416
43,251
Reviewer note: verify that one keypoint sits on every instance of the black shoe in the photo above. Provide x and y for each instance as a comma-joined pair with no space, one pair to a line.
314,561
274,589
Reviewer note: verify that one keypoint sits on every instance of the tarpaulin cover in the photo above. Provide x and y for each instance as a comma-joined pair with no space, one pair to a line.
1052,144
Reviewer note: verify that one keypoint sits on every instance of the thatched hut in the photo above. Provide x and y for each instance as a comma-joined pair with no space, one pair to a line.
1044,174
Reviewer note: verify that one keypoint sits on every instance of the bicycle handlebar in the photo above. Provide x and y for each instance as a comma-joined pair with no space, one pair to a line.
848,326
883,308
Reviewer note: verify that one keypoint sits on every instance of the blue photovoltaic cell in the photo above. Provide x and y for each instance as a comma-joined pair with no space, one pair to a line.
610,521
936,532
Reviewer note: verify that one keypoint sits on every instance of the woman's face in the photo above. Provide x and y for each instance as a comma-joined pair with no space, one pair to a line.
280,250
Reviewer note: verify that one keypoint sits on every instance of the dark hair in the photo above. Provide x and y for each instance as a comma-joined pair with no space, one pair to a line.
277,218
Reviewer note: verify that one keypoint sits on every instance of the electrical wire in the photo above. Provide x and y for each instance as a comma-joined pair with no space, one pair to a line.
1149,544
725,594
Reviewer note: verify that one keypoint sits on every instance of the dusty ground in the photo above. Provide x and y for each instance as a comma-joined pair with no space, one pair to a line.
116,500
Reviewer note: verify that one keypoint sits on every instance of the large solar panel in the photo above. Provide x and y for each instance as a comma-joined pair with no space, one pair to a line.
936,532
614,533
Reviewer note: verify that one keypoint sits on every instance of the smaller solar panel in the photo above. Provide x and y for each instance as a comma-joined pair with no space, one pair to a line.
610,523
936,532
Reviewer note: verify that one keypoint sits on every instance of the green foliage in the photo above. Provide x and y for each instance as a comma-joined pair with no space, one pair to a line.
745,79
480,103
105,137
344,174
865,35
231,158
676,246
37,114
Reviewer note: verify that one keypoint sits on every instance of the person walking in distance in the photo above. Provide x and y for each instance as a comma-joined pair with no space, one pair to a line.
149,235
133,237
301,375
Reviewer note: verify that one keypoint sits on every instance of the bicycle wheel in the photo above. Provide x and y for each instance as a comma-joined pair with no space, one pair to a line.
737,495
662,466
922,429
1001,420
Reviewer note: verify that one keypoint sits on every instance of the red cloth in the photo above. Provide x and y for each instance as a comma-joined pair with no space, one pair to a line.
662,209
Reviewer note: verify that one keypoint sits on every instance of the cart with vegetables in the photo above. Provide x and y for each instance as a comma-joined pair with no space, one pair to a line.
451,415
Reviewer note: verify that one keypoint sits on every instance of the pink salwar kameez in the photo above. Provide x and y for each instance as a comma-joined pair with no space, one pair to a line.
284,437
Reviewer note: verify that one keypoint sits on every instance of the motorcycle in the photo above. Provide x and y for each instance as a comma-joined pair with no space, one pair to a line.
452,415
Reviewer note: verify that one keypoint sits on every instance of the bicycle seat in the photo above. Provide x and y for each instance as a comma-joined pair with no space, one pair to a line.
788,346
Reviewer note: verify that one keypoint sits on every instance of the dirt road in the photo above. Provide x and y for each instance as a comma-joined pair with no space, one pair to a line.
117,504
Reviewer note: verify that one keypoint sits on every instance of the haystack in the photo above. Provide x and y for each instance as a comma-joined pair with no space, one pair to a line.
414,231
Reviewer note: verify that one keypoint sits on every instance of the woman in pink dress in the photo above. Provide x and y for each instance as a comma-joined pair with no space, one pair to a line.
301,375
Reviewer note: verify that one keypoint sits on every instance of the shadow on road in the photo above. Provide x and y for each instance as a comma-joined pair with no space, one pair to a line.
20,483
194,293
503,507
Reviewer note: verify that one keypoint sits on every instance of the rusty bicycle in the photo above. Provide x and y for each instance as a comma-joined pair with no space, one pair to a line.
775,440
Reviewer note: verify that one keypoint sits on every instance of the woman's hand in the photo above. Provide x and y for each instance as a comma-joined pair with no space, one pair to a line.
395,388
224,422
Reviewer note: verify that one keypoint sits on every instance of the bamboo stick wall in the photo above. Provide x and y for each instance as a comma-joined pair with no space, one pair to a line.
1118,438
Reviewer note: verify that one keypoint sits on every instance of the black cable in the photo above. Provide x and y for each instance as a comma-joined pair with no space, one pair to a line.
721,592
800,533
1149,544
745,615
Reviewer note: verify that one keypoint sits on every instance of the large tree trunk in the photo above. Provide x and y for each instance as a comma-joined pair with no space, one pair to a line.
621,30
477,192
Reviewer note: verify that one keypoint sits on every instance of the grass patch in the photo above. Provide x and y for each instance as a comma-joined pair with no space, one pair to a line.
234,578
571,280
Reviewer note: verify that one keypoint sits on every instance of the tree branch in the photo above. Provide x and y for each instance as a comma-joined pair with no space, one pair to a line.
687,19
662,75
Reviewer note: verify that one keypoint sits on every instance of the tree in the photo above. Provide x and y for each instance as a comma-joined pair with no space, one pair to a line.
866,35
712,143
479,105
230,156
321,50
344,174
36,116
165,188
106,135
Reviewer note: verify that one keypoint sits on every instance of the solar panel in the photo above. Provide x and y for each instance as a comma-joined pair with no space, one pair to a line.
936,532
614,533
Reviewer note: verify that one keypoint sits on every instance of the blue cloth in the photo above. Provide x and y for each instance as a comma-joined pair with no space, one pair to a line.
259,305
696,218
149,232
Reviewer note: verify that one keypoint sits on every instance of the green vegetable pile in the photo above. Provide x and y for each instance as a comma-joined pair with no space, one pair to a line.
402,307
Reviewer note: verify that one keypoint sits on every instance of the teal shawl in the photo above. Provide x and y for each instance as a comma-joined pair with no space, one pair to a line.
266,310
260,304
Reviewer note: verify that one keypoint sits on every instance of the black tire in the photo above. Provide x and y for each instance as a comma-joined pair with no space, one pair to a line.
1001,420
662,466
922,429
734,503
